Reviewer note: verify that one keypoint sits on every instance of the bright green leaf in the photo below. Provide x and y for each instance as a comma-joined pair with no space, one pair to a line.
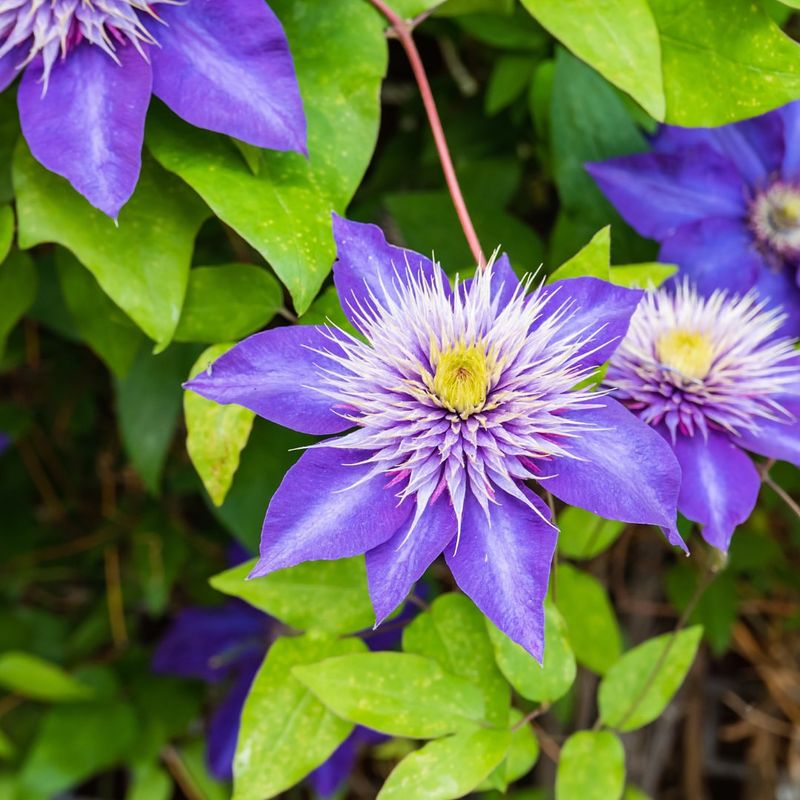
18,279
215,434
328,596
142,263
396,693
640,685
591,767
285,210
583,535
634,793
447,768
545,683
592,260
285,732
453,633
592,626
523,754
617,37
226,303
31,676
101,323
642,276
6,230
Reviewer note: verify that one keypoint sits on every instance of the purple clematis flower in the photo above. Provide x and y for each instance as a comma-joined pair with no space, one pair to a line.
714,380
90,67
723,202
228,643
457,398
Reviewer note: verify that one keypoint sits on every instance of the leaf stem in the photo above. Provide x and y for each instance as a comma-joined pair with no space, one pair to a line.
403,32
779,490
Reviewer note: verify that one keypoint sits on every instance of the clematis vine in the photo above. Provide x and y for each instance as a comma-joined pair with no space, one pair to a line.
456,399
711,376
89,69
723,202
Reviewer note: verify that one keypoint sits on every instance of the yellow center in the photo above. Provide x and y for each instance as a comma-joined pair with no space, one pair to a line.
462,378
784,213
687,352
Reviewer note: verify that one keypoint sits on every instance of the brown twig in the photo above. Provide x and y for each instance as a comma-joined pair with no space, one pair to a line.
174,763
403,32
530,716
114,600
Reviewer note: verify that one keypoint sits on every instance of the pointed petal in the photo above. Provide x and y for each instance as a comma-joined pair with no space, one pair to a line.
720,485
366,263
597,308
504,281
89,126
628,472
657,193
227,67
318,514
714,253
504,567
274,373
395,566
778,439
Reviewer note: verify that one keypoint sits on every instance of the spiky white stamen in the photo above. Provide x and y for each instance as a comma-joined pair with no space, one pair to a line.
694,363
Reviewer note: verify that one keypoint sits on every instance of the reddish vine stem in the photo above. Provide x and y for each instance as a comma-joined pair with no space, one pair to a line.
404,35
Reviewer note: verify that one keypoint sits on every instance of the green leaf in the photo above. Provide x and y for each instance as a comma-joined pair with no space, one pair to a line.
396,693
511,31
453,633
447,768
523,753
75,742
634,793
510,76
327,309
226,303
453,8
7,748
6,230
583,535
641,684
748,64
591,767
101,323
9,133
642,276
327,596
591,260
285,210
285,732
544,683
617,37
148,405
33,677
18,282
142,263
149,782
592,626
215,434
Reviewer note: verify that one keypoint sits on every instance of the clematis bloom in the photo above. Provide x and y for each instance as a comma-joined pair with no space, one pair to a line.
723,202
456,399
90,67
710,375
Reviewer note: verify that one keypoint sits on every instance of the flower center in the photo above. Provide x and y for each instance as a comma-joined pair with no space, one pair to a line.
462,378
687,352
775,217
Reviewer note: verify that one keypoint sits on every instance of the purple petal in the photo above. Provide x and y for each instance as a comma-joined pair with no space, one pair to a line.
779,287
715,254
274,373
504,281
9,64
318,513
331,775
207,643
790,114
395,566
627,472
778,439
657,193
594,306
89,126
223,727
227,67
5,442
366,264
504,566
720,485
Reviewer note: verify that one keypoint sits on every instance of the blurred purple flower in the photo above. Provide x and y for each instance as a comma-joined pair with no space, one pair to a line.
723,202
5,441
457,399
90,68
712,378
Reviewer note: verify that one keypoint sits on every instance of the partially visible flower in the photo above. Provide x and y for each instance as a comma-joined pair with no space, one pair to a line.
724,203
457,399
90,67
5,441
710,375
